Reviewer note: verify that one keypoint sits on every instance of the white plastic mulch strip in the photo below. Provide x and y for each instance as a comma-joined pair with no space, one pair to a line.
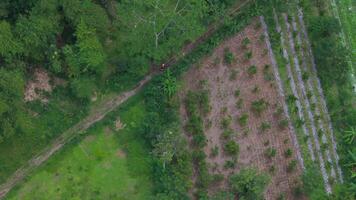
313,97
281,92
321,94
294,90
300,112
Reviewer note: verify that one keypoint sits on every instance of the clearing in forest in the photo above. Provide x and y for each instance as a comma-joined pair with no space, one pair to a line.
243,118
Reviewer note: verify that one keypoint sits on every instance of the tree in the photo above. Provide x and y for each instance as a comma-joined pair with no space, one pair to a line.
166,147
83,87
158,27
248,184
169,84
86,10
8,44
90,51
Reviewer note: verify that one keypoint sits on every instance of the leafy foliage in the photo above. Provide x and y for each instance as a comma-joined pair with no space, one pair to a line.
248,184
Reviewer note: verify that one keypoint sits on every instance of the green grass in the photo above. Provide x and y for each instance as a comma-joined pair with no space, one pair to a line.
106,164
347,11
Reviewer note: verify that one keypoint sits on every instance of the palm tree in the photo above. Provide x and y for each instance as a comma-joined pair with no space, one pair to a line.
350,135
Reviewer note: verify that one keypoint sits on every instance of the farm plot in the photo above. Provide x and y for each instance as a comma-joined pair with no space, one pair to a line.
244,121
308,97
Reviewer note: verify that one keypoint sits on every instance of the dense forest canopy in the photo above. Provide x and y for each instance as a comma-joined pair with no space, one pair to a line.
91,44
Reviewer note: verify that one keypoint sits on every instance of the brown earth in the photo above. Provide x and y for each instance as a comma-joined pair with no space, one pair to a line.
39,84
251,139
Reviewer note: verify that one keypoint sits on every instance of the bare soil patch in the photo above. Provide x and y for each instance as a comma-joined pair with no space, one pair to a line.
35,88
119,125
234,91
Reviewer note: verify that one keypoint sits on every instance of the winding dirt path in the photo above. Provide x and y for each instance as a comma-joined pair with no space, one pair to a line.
100,111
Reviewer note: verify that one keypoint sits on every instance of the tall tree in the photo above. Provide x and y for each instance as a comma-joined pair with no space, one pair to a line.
158,27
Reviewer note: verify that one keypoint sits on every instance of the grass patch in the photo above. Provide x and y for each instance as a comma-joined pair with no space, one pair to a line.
106,164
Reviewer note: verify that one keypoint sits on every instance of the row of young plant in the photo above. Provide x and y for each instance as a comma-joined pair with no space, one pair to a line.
310,105
322,31
290,88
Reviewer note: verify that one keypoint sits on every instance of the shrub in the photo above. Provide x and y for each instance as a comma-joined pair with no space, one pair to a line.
248,55
265,126
228,56
214,151
237,93
291,166
225,122
227,133
230,164
270,152
245,42
232,148
243,119
252,70
239,104
272,169
283,123
279,111
248,184
233,75
259,106
255,89
199,140
217,178
288,153
281,196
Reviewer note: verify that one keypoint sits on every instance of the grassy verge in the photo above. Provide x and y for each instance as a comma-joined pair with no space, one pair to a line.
106,164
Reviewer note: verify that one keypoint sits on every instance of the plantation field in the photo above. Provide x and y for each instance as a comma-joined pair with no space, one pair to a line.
233,96
106,164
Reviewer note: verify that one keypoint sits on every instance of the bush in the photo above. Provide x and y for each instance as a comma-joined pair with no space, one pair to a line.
283,123
231,148
214,151
288,153
225,122
233,75
228,56
245,42
237,93
252,70
270,152
239,104
259,106
230,164
291,166
248,55
227,133
243,119
265,126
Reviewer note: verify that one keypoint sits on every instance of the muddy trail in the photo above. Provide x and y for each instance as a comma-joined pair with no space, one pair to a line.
100,111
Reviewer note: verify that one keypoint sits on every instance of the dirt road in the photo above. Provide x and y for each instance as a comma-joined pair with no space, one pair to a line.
100,111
